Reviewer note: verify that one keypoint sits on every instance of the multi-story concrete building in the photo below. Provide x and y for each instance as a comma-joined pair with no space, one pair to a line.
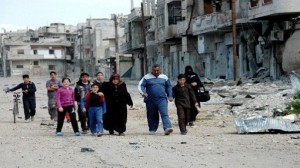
135,38
38,52
97,46
199,33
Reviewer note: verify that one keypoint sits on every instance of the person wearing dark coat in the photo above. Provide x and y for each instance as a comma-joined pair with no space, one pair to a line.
185,99
29,101
193,79
117,97
83,86
100,81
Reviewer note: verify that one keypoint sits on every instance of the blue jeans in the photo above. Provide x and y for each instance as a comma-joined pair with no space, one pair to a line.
153,110
96,119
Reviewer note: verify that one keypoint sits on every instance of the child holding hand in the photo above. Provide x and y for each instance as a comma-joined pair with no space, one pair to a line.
185,99
95,103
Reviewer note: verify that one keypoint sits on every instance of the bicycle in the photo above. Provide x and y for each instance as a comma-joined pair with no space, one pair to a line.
16,96
16,99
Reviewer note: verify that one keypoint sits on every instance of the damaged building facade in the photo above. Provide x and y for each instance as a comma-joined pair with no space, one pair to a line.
199,33
50,48
97,46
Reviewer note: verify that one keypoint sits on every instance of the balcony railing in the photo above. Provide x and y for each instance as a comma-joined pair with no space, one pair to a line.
32,57
211,22
263,9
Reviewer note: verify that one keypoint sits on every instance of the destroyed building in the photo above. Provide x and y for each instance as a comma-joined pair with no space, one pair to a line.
200,33
37,52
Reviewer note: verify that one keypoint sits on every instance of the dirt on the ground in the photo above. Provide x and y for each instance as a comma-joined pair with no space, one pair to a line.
213,142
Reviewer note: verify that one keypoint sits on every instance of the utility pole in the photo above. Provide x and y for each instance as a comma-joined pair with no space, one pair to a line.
116,43
83,51
234,42
80,53
91,62
145,62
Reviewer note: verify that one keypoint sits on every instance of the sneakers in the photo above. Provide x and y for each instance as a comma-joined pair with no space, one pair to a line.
32,118
27,121
99,134
84,132
77,133
151,132
168,131
59,134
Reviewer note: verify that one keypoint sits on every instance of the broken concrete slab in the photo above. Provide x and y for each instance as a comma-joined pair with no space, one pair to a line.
227,94
235,102
264,124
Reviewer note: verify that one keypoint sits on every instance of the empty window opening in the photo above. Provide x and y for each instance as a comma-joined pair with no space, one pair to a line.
20,51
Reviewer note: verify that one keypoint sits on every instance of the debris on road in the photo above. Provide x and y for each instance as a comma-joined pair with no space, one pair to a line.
87,150
264,124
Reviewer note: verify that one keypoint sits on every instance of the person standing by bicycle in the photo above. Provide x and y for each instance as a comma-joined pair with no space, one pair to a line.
29,101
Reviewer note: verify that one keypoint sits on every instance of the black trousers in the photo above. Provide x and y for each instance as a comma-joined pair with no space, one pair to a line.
61,118
29,107
83,116
183,118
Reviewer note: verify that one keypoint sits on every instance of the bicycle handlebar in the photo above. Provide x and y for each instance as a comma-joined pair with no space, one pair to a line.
17,94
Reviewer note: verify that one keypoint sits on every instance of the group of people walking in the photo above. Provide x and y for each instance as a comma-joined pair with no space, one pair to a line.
103,104
100,105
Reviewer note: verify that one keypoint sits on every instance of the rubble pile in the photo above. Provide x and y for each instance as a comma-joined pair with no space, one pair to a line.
251,99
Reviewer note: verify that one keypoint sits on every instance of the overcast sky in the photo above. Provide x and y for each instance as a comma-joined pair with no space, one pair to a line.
20,14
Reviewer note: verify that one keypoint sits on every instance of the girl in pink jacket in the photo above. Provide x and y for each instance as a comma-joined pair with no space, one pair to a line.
66,103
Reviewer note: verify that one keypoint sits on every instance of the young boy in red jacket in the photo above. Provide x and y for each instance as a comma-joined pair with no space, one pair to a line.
95,103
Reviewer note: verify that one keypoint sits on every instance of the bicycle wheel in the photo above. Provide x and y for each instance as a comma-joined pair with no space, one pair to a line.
15,112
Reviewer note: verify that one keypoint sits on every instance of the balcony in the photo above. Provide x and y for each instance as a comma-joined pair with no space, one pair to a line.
11,57
218,21
211,22
273,9
136,15
125,47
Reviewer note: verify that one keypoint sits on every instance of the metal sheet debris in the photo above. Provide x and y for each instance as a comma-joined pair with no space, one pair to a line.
263,124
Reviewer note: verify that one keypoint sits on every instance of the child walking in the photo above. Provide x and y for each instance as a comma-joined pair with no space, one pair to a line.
66,103
95,103
185,99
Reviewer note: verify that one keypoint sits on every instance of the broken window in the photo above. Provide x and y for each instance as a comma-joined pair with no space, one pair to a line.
19,66
20,51
51,51
267,1
253,3
174,12
218,4
51,67
35,62
208,7
230,4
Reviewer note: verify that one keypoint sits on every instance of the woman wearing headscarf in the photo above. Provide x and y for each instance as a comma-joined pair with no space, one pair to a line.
117,97
193,79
